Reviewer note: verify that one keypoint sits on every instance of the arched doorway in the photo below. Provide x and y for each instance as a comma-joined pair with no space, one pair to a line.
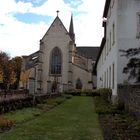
79,84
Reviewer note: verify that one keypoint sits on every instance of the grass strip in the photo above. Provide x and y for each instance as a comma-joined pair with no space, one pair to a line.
76,119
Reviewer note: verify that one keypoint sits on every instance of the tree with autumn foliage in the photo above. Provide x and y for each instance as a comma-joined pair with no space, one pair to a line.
16,68
133,65
4,59
9,71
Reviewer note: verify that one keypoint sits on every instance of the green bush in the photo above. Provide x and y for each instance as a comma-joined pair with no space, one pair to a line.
105,93
55,101
103,106
120,105
90,92
84,92
67,96
74,92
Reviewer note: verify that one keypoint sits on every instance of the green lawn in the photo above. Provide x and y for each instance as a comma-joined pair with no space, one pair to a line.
75,119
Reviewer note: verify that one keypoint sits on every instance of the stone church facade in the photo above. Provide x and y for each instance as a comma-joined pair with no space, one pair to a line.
59,65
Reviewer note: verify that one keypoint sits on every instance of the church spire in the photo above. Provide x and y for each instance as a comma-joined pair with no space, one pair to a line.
71,29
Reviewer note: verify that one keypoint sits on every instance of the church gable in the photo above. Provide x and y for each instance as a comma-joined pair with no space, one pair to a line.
56,30
58,65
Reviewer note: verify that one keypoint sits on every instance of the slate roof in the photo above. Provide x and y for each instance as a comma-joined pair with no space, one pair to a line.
106,8
31,60
99,54
71,29
88,52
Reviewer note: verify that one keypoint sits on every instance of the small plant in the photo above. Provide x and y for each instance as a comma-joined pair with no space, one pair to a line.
60,100
120,105
74,92
102,106
90,92
6,124
125,82
87,92
68,96
105,93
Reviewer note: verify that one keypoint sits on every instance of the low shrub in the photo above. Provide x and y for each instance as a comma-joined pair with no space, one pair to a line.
103,106
120,105
68,96
84,92
105,93
90,92
55,101
6,124
74,92
60,100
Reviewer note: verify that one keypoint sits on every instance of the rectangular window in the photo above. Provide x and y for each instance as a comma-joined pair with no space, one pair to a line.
113,76
104,79
109,13
110,76
102,58
138,24
107,46
110,42
113,36
105,52
107,79
112,3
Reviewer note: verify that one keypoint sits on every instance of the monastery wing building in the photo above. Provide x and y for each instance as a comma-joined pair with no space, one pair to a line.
121,32
59,65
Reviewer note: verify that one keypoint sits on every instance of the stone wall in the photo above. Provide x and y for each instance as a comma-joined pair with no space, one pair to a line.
130,96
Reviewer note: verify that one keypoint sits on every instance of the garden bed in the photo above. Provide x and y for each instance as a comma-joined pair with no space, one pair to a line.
116,124
13,118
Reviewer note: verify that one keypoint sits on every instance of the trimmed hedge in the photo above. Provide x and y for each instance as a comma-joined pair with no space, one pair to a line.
105,93
19,103
90,92
85,92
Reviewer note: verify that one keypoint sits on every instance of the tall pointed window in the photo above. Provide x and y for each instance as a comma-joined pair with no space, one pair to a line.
56,61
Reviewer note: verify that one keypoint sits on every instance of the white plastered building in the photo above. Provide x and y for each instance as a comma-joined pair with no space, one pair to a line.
121,31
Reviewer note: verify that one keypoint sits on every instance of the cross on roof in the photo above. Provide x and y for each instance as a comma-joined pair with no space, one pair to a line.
57,12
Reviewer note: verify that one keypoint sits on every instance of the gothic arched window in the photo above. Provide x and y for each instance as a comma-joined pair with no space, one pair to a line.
56,61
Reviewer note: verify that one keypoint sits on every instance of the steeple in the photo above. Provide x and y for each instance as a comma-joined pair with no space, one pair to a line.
71,29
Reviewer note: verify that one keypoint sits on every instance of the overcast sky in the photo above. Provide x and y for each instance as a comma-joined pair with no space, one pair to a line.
24,22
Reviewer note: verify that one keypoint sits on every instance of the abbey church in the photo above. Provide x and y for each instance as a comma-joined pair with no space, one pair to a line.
59,65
